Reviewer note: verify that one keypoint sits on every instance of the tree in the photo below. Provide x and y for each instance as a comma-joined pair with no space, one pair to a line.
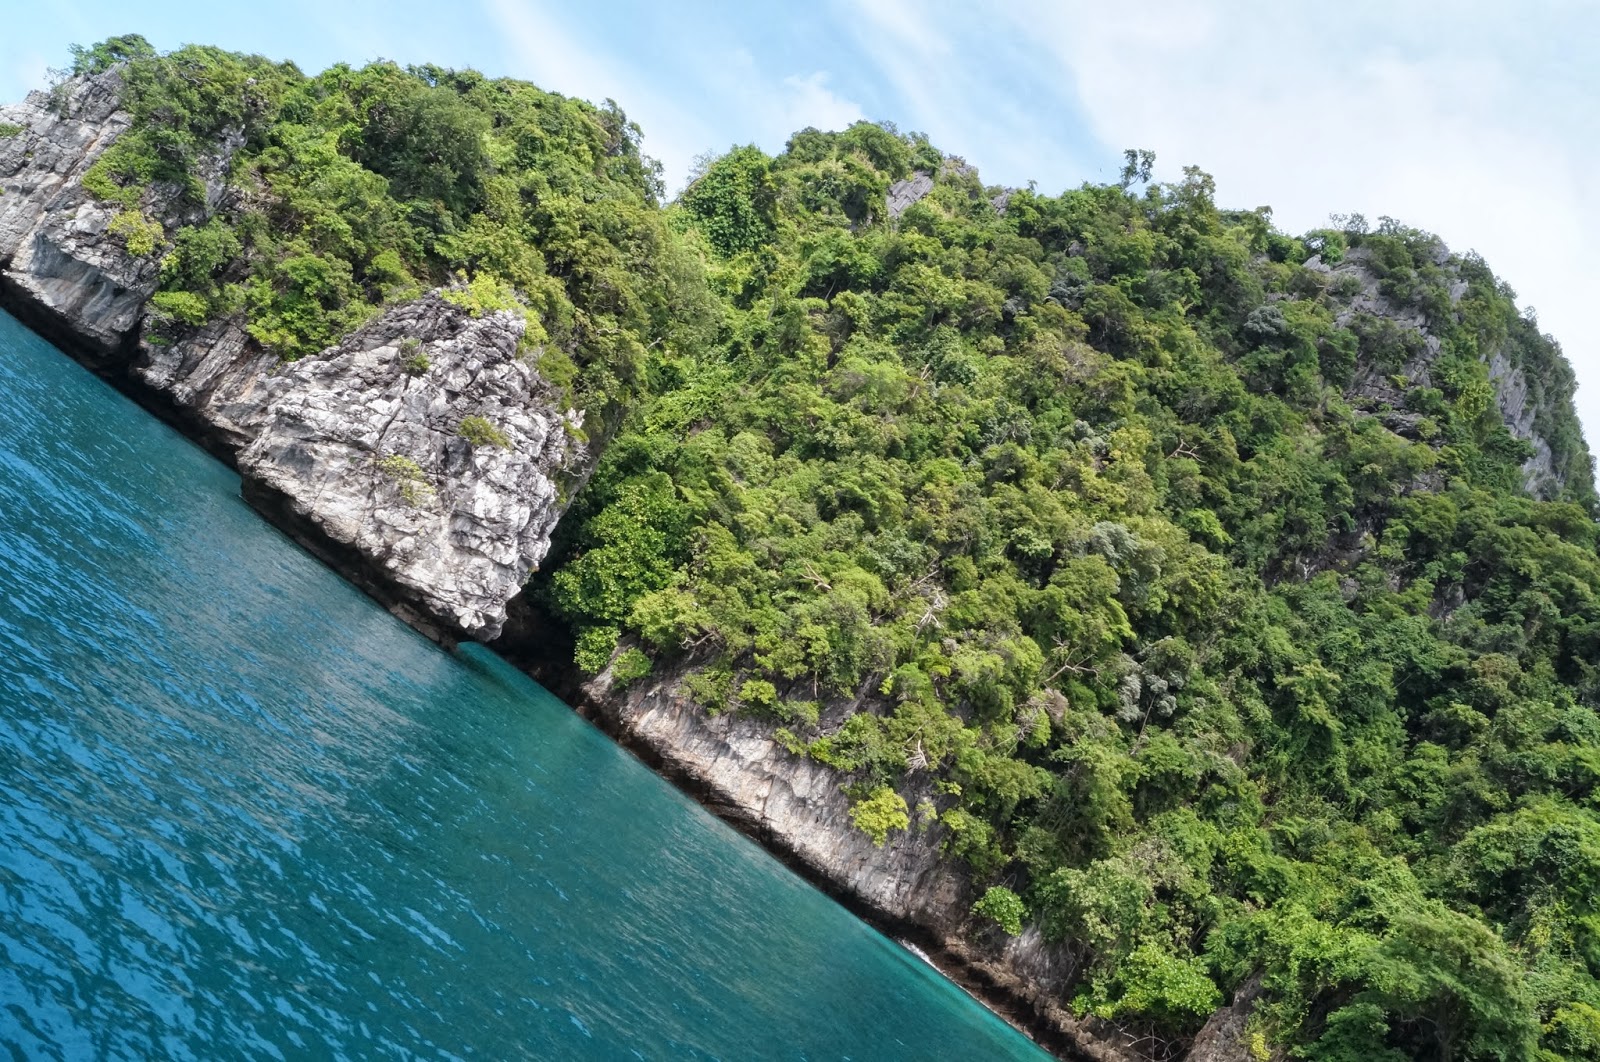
1136,167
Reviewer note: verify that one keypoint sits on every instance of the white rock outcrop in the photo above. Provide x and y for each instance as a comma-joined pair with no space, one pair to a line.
359,450
57,254
365,443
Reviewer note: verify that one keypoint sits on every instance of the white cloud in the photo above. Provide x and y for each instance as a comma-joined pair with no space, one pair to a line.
808,101
907,52
977,93
1316,114
715,101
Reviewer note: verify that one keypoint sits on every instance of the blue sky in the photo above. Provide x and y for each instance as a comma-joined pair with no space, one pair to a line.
1477,121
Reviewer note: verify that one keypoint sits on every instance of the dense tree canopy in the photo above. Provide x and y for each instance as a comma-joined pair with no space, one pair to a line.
1211,644
1188,585
358,187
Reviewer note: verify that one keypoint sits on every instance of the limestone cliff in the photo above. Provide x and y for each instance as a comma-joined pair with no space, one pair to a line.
59,261
424,457
371,447
1384,388
359,451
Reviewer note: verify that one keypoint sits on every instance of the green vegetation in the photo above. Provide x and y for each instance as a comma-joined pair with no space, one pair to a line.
480,432
413,359
1094,510
409,477
880,811
1002,906
358,187
139,234
1202,614
630,666
594,649
485,293
10,129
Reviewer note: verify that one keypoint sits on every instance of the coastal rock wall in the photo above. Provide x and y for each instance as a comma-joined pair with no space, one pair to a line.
60,258
797,808
360,451
212,379
423,445
422,456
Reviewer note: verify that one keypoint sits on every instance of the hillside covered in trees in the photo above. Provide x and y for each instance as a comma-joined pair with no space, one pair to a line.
1194,580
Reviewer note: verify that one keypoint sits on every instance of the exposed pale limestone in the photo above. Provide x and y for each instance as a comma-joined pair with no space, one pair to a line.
367,446
1374,386
319,441
56,252
903,194
798,807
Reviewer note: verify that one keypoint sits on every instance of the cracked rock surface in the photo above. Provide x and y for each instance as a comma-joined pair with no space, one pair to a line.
362,459
798,807
365,441
56,253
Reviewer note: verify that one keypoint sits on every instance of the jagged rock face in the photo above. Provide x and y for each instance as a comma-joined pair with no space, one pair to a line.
906,193
1511,396
348,446
367,445
1226,1036
56,253
798,807
790,799
1373,386
216,375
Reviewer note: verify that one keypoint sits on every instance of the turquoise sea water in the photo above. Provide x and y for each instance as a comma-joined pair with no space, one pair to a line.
245,813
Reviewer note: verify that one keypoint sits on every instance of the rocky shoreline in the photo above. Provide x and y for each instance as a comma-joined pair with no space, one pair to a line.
423,458
819,844
358,454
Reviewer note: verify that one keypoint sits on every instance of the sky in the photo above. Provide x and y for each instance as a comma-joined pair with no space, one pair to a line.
1479,122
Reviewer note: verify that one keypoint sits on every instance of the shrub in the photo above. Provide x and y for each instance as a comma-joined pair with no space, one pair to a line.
594,648
480,432
409,477
101,181
631,666
880,812
139,234
1004,907
98,58
413,359
8,130
184,306
484,293
758,694
1161,984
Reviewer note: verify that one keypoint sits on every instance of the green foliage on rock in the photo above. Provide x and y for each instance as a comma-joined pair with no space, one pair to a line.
1208,600
357,187
480,431
630,666
414,361
139,234
98,58
732,201
879,812
1003,907
1184,572
594,649
409,478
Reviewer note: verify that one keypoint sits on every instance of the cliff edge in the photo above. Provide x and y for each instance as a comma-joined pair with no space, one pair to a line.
416,430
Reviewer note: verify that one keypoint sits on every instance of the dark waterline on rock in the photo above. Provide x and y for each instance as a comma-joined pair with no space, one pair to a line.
244,812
